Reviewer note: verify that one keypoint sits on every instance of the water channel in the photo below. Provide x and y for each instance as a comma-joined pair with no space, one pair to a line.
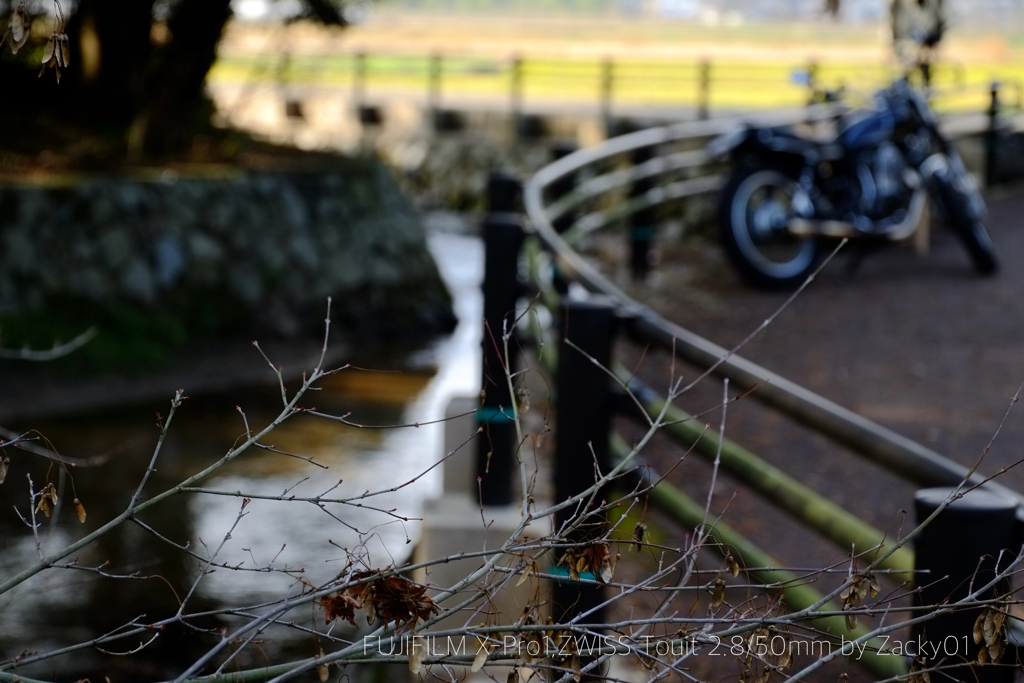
61,607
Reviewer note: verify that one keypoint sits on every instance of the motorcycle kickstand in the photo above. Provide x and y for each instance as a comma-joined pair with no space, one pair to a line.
858,252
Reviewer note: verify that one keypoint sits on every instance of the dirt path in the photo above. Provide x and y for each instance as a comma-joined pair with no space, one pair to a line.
919,344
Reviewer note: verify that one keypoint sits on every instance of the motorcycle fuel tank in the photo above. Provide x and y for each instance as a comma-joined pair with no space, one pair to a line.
867,130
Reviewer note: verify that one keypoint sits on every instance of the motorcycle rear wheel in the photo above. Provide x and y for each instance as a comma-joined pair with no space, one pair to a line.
970,230
754,207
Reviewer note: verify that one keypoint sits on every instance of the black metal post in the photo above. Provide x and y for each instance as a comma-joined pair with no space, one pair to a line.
703,89
559,189
992,136
503,237
607,89
642,222
582,421
516,88
960,548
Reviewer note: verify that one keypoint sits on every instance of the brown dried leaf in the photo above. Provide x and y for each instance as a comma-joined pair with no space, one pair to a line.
983,655
416,657
718,593
979,634
763,678
79,510
733,565
607,569
786,658
998,620
481,654
988,627
4,464
339,606
851,619
322,672
513,676
996,650
65,50
47,500
873,584
529,569
575,665
916,673
639,534
50,51
20,25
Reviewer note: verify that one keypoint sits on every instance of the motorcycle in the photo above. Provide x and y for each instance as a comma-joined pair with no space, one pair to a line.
788,195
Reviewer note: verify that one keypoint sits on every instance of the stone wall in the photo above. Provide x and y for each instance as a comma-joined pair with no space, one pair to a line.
266,247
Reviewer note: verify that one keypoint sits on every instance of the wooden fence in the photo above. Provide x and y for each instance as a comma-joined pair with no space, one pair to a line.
623,177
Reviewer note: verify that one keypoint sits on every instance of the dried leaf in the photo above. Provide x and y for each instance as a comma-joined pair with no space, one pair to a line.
20,25
604,575
718,594
996,650
639,533
873,585
4,464
513,676
983,655
851,619
416,657
575,665
979,634
79,510
530,568
47,500
322,672
763,678
65,50
369,610
50,50
786,658
733,565
916,673
481,655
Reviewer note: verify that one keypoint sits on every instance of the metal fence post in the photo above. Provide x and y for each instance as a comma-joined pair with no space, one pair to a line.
607,90
992,135
703,89
503,237
582,422
960,549
559,189
516,96
642,222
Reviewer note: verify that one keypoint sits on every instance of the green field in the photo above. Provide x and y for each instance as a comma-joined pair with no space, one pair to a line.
655,64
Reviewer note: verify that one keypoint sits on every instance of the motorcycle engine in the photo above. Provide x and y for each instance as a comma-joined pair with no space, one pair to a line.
881,180
888,170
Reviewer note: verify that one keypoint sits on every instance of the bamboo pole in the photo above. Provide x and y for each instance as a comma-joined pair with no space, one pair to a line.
795,593
801,502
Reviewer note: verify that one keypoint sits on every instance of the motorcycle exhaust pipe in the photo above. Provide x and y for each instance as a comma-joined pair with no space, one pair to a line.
807,227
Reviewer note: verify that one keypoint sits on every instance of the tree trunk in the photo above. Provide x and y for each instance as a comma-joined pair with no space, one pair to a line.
176,76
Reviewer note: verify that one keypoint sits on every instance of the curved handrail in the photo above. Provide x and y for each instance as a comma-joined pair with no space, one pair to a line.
893,451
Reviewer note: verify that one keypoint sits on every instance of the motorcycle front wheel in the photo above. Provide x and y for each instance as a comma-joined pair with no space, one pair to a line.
754,208
970,230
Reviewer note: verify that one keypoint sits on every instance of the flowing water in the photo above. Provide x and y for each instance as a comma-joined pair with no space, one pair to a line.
61,607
